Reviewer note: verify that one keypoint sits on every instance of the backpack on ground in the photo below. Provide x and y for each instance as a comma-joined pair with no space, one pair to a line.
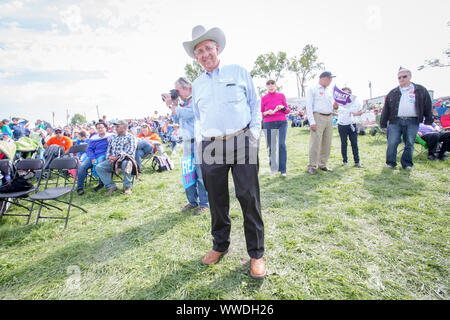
162,163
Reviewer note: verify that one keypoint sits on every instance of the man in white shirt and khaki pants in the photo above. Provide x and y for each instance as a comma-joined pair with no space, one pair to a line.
319,107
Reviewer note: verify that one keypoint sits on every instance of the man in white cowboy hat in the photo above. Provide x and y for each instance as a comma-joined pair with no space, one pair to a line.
228,124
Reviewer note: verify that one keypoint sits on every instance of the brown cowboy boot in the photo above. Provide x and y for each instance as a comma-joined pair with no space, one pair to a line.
212,257
257,268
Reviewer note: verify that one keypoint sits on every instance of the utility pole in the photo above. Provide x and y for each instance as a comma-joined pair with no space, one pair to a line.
53,113
67,116
370,88
98,114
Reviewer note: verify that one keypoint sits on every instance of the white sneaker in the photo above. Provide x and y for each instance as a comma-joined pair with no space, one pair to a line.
283,175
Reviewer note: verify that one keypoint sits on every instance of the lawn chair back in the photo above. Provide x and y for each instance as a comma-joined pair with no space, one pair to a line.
6,167
78,148
63,168
14,197
63,163
445,121
29,164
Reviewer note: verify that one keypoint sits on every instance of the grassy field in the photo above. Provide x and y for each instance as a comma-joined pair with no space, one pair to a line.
368,233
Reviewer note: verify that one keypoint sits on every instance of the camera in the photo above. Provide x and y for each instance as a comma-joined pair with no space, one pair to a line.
173,95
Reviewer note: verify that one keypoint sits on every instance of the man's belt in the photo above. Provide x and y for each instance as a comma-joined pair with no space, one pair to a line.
407,117
224,138
325,114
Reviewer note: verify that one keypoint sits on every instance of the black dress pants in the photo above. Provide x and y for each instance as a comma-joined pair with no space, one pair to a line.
240,155
344,132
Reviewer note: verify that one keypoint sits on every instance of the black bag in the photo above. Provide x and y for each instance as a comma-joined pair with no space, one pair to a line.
17,184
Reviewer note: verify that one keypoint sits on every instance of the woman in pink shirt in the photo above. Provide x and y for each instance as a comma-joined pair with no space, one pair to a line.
274,109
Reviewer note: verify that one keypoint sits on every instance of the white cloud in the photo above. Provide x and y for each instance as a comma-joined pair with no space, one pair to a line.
72,17
12,6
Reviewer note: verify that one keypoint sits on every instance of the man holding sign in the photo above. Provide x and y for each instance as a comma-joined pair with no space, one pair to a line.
191,173
319,107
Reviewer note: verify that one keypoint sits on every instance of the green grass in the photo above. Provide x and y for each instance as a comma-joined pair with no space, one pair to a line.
366,233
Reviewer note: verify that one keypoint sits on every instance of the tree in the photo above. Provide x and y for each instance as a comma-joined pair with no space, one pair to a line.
78,119
270,66
437,62
193,71
304,67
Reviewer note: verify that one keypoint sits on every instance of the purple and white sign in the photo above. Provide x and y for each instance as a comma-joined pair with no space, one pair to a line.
341,97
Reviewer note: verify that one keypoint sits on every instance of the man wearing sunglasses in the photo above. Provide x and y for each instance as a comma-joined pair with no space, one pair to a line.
60,140
404,109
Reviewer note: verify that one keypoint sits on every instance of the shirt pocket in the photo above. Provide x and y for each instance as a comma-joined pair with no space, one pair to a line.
229,93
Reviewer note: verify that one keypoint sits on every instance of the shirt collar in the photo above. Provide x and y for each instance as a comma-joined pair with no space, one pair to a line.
410,88
216,71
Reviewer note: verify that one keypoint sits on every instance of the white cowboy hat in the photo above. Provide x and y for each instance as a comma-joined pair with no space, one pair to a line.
199,34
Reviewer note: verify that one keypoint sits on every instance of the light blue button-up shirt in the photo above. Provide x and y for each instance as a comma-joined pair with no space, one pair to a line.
224,102
185,116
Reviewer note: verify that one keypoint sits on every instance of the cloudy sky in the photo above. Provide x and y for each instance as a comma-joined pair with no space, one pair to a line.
122,54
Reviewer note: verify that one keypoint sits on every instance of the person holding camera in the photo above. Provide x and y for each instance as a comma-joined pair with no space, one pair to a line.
184,114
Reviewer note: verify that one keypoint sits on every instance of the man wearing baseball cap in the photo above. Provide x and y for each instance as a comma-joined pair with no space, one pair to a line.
122,144
228,125
60,140
319,107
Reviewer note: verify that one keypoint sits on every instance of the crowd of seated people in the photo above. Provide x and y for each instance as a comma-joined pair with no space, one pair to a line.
126,141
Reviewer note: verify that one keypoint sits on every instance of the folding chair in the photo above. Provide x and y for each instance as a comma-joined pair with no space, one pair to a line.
78,148
376,131
6,167
423,144
28,165
6,172
53,194
73,150
147,158
417,151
